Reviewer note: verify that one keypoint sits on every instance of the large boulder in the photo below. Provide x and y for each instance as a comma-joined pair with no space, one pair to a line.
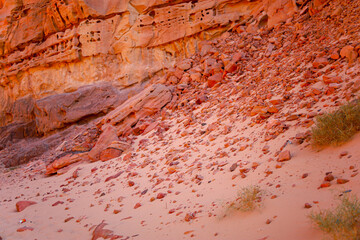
60,110
105,140
65,161
144,104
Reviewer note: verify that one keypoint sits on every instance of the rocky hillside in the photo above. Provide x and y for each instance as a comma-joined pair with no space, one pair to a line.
54,47
226,100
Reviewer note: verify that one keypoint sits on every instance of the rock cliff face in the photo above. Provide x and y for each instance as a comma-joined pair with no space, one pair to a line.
50,47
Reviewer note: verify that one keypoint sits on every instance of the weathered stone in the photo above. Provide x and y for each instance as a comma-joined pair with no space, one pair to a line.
349,53
109,153
65,161
214,79
105,140
284,156
21,205
51,47
146,103
57,111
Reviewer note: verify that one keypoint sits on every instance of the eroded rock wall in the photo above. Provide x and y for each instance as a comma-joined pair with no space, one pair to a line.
50,47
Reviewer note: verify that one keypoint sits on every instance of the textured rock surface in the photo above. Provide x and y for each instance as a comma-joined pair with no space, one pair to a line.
21,205
65,161
146,103
57,111
49,47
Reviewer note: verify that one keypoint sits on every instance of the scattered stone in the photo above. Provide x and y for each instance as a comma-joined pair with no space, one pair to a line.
329,177
22,229
160,195
341,181
21,205
349,53
284,156
325,185
68,219
344,153
233,167
305,175
113,176
308,205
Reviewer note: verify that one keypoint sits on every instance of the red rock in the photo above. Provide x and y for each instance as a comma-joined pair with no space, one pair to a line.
160,195
329,177
349,53
116,211
188,217
231,67
21,205
57,203
292,117
146,103
233,167
258,109
284,156
268,221
106,138
57,111
334,56
109,153
137,205
113,176
305,175
22,229
327,79
65,161
325,185
68,219
273,110
131,183
344,153
320,62
308,205
276,101
214,79
75,174
341,181
171,170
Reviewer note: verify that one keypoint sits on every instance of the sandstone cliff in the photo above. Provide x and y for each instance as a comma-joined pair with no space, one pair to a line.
50,47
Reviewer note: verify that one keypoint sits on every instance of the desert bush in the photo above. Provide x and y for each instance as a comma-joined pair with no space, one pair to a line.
337,127
248,199
341,223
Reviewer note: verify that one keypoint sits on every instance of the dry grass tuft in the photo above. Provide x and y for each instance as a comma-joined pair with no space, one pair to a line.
343,222
337,127
248,199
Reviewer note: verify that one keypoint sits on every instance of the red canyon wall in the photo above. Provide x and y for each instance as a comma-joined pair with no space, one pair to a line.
50,48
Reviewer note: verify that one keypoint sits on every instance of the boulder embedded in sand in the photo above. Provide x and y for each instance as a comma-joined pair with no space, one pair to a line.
21,205
105,140
114,150
65,161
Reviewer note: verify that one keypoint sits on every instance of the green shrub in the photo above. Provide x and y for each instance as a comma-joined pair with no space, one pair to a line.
337,127
343,222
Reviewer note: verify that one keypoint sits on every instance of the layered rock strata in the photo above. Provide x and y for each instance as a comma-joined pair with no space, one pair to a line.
49,47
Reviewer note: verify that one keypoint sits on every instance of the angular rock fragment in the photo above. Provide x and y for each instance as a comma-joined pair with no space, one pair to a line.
21,205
